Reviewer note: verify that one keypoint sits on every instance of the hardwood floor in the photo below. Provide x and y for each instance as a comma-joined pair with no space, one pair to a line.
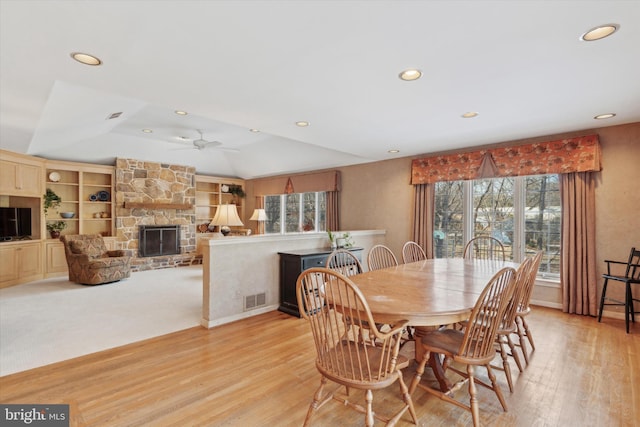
260,372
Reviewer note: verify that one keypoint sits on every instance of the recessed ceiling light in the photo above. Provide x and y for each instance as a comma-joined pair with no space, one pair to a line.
410,74
599,32
254,130
181,113
182,138
302,124
470,114
393,151
85,58
605,116
147,130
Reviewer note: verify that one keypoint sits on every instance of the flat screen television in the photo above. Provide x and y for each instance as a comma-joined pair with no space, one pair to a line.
15,223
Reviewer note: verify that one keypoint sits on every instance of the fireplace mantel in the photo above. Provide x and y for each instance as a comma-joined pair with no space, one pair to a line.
156,205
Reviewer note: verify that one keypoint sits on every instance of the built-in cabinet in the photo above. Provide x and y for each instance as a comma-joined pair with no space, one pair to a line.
20,262
212,192
19,178
86,191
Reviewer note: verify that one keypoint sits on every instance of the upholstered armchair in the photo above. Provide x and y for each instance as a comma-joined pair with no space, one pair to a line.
90,263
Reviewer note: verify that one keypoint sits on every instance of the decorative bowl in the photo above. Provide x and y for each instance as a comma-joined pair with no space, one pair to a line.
67,214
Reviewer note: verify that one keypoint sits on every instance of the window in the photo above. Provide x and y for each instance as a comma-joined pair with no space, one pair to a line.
524,213
299,212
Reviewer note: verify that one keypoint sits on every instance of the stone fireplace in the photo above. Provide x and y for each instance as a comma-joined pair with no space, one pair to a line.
155,194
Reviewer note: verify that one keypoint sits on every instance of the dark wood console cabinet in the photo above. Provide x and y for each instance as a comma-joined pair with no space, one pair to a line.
292,264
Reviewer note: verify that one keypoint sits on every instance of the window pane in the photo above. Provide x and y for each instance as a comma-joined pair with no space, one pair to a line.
493,201
272,209
448,227
292,213
543,213
309,212
322,211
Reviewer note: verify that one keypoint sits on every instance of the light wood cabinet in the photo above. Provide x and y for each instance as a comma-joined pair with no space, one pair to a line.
20,179
55,260
210,193
20,262
87,191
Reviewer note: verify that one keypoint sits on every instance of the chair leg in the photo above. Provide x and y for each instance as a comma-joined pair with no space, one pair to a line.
631,306
369,415
316,403
496,387
527,332
512,347
473,400
522,342
602,298
628,306
505,363
419,371
406,397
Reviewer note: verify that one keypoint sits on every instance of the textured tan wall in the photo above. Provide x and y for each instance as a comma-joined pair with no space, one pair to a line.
378,196
618,201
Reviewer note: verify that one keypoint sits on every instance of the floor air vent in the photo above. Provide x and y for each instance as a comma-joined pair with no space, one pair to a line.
254,301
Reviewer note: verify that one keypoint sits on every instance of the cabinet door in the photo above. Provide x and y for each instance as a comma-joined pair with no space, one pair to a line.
8,175
8,264
29,180
56,260
29,260
19,179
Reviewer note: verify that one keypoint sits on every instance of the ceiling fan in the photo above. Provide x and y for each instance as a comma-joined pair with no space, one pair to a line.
201,143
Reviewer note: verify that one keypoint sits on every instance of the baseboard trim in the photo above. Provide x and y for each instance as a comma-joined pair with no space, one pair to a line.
244,315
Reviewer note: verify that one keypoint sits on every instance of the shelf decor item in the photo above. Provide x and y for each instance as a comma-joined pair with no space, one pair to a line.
51,200
226,215
67,214
55,228
54,177
103,196
236,191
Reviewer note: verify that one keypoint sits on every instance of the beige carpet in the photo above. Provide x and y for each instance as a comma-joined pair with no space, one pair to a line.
51,320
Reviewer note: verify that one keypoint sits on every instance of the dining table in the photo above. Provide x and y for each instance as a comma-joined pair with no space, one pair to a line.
428,294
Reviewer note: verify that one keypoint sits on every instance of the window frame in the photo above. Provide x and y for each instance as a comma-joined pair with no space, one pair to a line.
519,218
317,228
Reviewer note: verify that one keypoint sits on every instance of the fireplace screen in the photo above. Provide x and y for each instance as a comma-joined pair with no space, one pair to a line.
156,240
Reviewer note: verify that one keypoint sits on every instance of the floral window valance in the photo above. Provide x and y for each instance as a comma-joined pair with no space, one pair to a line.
578,154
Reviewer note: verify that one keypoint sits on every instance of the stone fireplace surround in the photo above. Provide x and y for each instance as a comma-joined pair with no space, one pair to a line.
150,193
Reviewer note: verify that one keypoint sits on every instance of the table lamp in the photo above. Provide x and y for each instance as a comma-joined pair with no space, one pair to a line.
261,216
225,216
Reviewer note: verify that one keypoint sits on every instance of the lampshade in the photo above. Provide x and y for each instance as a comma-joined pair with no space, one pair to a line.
258,215
226,215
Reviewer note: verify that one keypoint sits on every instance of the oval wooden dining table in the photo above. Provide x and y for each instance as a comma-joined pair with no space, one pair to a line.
427,293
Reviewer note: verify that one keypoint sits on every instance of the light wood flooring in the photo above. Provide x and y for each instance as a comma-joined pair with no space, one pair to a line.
260,372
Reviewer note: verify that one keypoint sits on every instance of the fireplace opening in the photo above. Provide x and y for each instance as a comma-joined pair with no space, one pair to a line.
157,240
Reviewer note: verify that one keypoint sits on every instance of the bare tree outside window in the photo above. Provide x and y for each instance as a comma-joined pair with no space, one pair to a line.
494,211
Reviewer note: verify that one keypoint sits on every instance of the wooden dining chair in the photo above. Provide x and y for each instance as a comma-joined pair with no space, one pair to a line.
412,252
631,276
524,308
344,262
472,347
325,298
380,257
508,325
484,247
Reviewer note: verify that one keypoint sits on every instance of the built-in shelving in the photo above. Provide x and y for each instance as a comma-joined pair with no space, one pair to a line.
210,193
